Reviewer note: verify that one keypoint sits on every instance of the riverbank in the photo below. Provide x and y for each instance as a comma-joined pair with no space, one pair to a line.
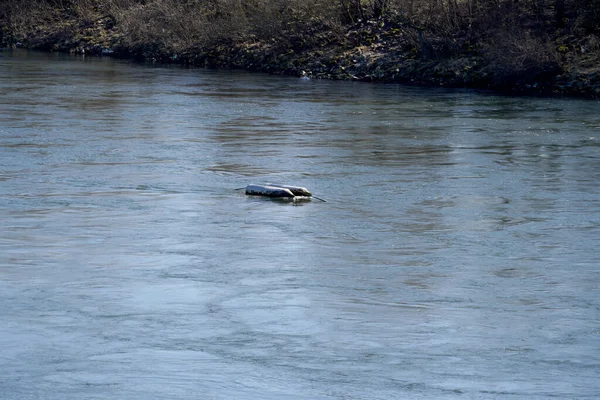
516,59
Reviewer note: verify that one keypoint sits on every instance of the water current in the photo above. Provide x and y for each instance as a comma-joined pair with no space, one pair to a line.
456,256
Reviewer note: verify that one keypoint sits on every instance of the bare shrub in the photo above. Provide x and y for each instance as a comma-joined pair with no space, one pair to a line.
169,25
20,15
303,23
587,15
514,53
85,11
226,21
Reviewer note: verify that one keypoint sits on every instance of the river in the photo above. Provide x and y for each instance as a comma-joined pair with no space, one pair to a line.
456,255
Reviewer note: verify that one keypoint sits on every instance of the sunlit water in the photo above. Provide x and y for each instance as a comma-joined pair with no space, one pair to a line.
456,256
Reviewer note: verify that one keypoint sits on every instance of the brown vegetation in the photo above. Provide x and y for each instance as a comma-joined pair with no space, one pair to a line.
524,45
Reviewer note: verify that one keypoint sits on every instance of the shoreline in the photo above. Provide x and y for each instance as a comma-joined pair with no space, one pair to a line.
376,50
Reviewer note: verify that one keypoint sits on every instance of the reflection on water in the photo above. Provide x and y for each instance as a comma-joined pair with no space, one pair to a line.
455,256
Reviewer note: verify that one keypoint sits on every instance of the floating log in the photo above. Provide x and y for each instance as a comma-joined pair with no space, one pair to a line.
288,192
296,190
269,191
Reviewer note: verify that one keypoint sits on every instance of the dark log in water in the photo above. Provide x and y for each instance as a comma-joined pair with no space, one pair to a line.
296,190
269,191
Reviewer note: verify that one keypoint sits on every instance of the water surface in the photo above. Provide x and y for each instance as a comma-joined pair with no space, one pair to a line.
455,258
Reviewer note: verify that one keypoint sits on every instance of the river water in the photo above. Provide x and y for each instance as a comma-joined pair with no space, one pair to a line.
456,256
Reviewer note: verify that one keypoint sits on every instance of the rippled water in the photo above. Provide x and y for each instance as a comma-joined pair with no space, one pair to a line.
455,258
